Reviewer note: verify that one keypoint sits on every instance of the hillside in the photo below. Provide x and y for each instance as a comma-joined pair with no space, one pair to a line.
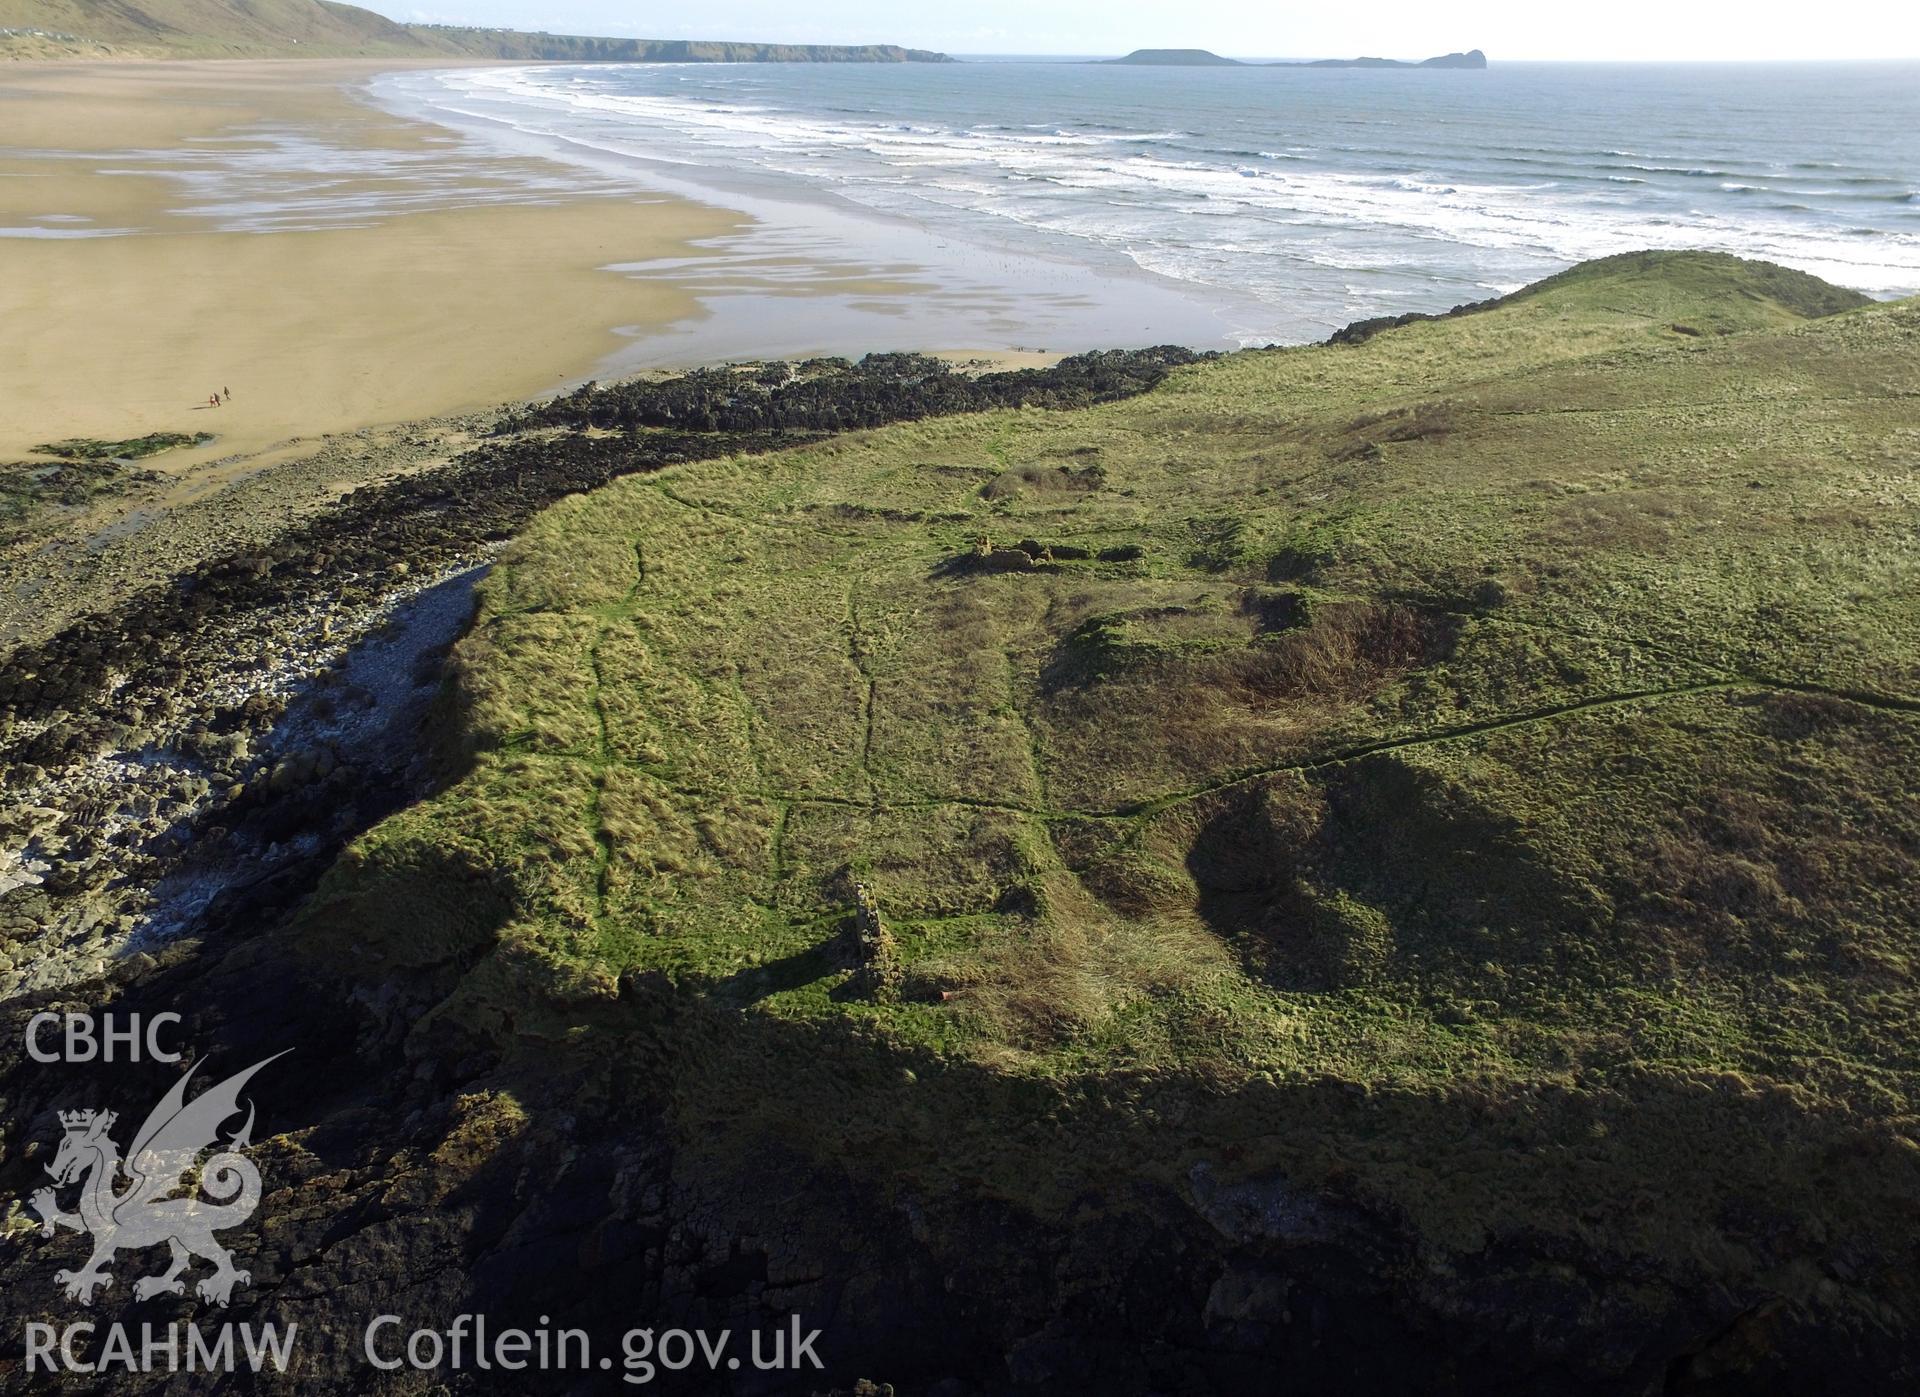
1390,862
324,28
1414,833
210,28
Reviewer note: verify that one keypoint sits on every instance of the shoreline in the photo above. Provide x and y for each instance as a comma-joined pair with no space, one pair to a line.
1400,876
359,353
426,241
342,266
816,272
429,303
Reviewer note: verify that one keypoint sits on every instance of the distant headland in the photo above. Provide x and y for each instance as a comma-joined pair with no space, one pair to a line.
579,48
1201,58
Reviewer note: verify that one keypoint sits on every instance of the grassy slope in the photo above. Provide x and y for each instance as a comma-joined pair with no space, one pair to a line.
217,28
1487,793
328,28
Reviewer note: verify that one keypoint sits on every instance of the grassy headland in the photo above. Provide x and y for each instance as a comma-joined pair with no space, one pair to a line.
1462,776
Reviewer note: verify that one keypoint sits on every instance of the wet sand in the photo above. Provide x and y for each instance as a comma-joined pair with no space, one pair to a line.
411,314
370,286
173,230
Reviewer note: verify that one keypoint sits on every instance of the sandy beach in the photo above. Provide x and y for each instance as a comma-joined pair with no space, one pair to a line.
172,230
431,309
362,288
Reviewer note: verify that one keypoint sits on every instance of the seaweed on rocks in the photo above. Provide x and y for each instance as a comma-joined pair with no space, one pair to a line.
81,684
129,449
29,489
834,395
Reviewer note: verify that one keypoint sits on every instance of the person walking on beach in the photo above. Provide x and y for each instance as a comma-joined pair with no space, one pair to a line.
227,394
214,400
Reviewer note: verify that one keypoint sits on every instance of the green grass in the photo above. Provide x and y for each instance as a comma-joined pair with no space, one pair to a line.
1506,724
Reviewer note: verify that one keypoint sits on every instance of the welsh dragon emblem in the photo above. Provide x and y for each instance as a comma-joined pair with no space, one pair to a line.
142,1214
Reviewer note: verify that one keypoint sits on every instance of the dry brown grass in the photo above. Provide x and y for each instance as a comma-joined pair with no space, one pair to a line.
1049,980
1348,650
1040,480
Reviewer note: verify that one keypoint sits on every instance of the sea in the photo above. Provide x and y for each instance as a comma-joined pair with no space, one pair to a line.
1040,203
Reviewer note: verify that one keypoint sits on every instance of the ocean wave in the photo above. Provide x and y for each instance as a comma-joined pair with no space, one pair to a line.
41,231
1125,182
1713,172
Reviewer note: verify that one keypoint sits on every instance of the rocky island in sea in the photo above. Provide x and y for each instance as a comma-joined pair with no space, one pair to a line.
1202,58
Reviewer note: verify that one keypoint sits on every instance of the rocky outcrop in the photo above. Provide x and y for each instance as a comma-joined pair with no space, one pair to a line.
834,395
474,1122
416,1168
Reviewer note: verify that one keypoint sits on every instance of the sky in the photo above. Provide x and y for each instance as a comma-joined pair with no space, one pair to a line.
1506,29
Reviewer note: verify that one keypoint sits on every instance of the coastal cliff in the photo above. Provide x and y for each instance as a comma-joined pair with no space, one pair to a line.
577,48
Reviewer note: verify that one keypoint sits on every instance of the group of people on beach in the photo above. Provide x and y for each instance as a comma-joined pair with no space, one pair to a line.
215,399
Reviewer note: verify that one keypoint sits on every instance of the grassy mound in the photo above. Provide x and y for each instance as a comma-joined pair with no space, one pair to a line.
1467,770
